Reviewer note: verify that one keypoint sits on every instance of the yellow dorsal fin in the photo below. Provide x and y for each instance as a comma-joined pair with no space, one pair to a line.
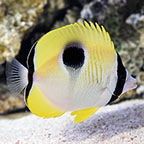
40,106
52,43
98,28
92,25
87,25
82,115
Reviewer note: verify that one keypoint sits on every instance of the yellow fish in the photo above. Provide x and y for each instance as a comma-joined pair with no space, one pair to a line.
74,68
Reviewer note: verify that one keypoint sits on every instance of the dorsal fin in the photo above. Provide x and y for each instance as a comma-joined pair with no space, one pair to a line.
52,43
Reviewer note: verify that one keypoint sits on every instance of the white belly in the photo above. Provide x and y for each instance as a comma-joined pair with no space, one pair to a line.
70,96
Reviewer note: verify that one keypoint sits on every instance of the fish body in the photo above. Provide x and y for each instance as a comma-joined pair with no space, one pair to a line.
74,68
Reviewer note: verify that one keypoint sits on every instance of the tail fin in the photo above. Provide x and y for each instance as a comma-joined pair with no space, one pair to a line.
16,76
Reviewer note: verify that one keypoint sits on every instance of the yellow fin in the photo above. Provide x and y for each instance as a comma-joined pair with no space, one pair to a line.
40,106
93,37
82,115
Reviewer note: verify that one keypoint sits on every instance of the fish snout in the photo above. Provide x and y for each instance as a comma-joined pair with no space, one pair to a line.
130,84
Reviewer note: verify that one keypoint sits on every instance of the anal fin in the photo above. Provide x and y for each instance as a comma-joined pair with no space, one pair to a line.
82,115
40,105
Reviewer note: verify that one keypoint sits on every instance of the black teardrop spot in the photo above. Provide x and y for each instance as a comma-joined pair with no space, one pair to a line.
73,57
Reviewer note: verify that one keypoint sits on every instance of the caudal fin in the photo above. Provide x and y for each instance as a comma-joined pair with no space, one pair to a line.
16,76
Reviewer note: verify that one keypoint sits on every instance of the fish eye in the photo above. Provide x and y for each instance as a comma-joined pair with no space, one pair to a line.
73,56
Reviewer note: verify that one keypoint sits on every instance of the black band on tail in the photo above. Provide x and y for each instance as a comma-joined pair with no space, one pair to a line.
31,69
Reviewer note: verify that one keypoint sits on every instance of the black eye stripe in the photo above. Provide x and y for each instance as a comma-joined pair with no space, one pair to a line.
121,73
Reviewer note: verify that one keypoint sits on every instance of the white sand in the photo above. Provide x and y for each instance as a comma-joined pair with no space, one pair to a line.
117,124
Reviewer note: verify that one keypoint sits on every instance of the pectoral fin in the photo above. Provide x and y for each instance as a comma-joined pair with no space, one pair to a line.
82,115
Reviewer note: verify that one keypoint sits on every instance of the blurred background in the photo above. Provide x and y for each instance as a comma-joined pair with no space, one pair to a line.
22,22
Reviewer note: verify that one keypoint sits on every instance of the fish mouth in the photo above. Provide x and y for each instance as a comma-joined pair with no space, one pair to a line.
134,83
130,84
135,86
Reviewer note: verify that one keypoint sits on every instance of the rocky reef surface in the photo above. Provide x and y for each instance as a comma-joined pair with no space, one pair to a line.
16,18
24,22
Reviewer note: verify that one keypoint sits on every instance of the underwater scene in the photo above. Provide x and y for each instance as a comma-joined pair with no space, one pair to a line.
71,71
